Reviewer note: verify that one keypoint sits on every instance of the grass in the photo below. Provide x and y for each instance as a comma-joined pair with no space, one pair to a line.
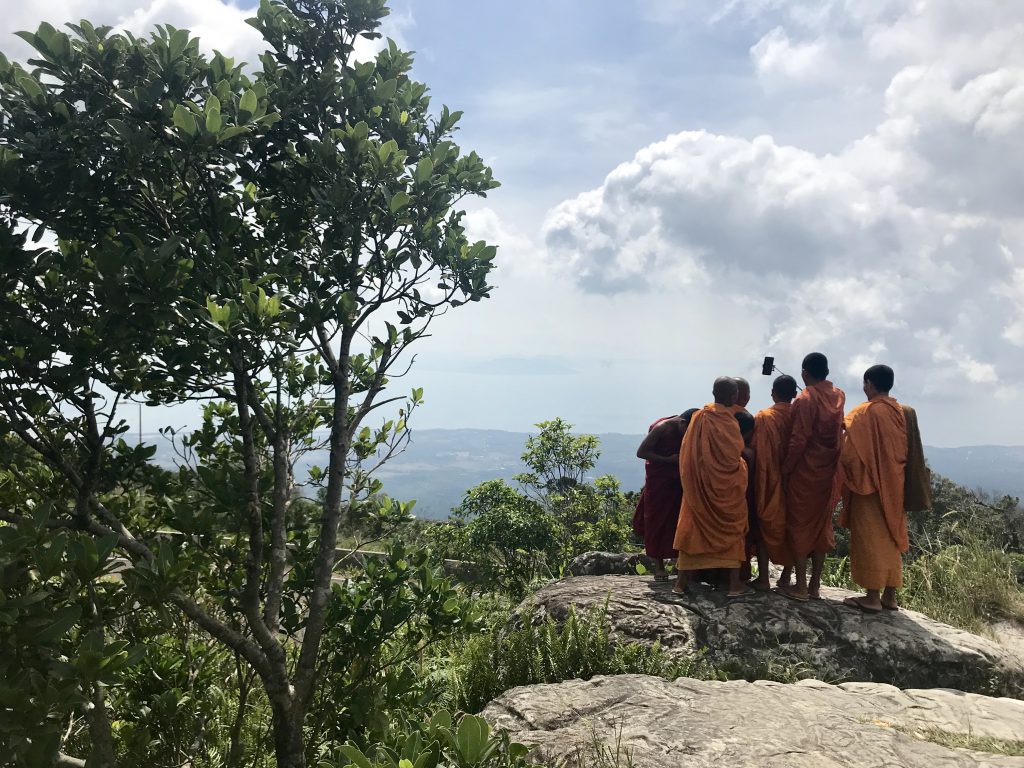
969,741
506,657
598,754
967,585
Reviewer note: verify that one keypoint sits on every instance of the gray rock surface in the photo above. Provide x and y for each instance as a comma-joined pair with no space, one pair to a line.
820,638
654,723
605,563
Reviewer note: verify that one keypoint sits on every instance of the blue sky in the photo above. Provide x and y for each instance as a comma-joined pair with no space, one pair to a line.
689,185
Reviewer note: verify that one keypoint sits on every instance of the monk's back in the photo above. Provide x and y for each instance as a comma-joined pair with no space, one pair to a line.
811,468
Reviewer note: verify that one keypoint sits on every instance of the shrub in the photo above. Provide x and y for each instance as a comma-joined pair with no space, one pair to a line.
504,658
966,585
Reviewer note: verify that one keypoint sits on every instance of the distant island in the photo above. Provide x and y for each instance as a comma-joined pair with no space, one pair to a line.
441,464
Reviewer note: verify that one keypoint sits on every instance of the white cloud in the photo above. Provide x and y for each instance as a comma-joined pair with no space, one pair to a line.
776,55
900,246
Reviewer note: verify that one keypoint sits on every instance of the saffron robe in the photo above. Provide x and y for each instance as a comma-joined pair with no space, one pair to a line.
772,428
657,511
810,470
713,517
874,460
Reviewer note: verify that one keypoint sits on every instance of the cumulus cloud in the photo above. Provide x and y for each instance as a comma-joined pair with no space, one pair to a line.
905,243
776,55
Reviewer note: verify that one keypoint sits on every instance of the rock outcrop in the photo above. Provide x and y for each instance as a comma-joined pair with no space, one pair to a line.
653,723
605,563
765,631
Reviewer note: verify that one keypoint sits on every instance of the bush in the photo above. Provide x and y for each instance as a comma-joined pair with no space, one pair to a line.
492,663
967,585
438,742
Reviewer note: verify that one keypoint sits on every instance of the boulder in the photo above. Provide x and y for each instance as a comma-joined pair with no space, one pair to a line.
605,563
763,634
647,722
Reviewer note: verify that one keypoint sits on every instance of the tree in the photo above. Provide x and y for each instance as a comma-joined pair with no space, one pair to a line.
175,227
557,458
554,515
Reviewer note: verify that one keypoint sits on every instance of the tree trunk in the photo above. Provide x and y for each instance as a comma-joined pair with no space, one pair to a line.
289,748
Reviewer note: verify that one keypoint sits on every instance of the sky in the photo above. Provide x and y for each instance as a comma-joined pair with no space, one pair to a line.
689,185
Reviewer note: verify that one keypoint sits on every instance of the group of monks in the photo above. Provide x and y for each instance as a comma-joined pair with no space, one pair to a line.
724,486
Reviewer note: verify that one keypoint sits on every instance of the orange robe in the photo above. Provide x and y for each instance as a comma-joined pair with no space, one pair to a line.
772,428
874,460
713,516
810,470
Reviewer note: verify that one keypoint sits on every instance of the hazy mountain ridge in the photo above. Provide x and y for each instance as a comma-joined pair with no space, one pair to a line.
441,464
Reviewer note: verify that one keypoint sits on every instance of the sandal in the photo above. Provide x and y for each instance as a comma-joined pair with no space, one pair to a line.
856,602
792,596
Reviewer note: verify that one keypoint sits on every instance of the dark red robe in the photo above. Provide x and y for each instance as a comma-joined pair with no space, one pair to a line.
657,512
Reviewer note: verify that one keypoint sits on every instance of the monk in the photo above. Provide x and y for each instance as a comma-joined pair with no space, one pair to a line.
874,460
742,395
657,511
746,424
810,475
772,428
713,517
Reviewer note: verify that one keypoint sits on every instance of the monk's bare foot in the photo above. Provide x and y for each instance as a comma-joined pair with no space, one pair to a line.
761,584
814,590
794,593
681,587
888,599
660,574
785,578
864,604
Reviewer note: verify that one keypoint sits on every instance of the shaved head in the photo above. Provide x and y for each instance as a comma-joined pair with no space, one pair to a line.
815,368
881,377
725,390
742,391
784,388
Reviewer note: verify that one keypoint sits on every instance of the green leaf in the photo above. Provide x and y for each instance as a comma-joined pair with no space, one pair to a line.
177,43
231,132
60,626
356,757
398,201
248,103
213,119
424,169
472,737
184,120
640,569
121,128
30,86
387,149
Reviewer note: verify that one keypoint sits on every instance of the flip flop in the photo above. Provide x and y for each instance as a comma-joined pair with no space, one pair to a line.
890,607
744,593
661,577
854,602
790,596
681,592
